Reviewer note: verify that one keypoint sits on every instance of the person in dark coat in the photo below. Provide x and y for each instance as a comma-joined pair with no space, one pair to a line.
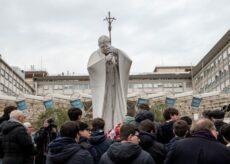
84,136
42,138
6,113
65,149
17,145
130,116
217,117
98,138
127,151
3,119
165,130
149,143
201,148
188,120
180,129
225,133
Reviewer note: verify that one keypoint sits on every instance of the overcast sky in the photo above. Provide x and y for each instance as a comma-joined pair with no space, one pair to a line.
60,35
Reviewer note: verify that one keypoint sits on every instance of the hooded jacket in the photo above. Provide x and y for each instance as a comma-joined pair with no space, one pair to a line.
100,143
65,150
129,120
149,143
165,132
126,153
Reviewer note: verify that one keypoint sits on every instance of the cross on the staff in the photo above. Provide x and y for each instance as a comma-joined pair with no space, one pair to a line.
110,20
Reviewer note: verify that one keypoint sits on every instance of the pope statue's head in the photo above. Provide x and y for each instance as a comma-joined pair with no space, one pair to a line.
104,44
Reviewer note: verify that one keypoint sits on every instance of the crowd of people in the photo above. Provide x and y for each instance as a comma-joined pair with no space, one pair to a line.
136,140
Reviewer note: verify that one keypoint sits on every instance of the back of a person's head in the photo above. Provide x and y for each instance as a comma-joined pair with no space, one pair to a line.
143,107
202,124
170,111
131,111
225,131
143,115
7,110
180,128
82,126
74,114
15,114
206,114
102,39
27,124
69,129
147,126
126,130
98,124
187,119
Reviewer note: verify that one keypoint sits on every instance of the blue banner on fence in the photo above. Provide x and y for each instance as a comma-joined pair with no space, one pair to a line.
170,101
21,105
142,101
76,103
48,104
196,102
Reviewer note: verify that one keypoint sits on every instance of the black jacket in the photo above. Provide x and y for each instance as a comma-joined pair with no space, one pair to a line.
126,153
218,124
84,142
16,144
165,132
200,148
171,142
100,143
65,150
155,149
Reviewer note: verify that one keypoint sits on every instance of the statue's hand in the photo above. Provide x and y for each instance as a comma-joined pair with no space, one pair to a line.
112,50
111,58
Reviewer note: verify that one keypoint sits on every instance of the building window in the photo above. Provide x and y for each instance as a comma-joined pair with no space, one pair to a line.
137,86
224,54
10,79
56,87
68,86
1,87
2,72
130,85
7,76
147,85
5,89
46,87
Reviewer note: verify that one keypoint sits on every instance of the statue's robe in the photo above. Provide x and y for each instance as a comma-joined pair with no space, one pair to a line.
109,85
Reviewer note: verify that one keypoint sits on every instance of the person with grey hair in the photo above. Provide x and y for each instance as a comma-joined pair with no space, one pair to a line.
201,147
17,145
3,119
108,69
29,127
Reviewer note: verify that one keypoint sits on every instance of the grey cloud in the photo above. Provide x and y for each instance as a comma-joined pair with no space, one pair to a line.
150,32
